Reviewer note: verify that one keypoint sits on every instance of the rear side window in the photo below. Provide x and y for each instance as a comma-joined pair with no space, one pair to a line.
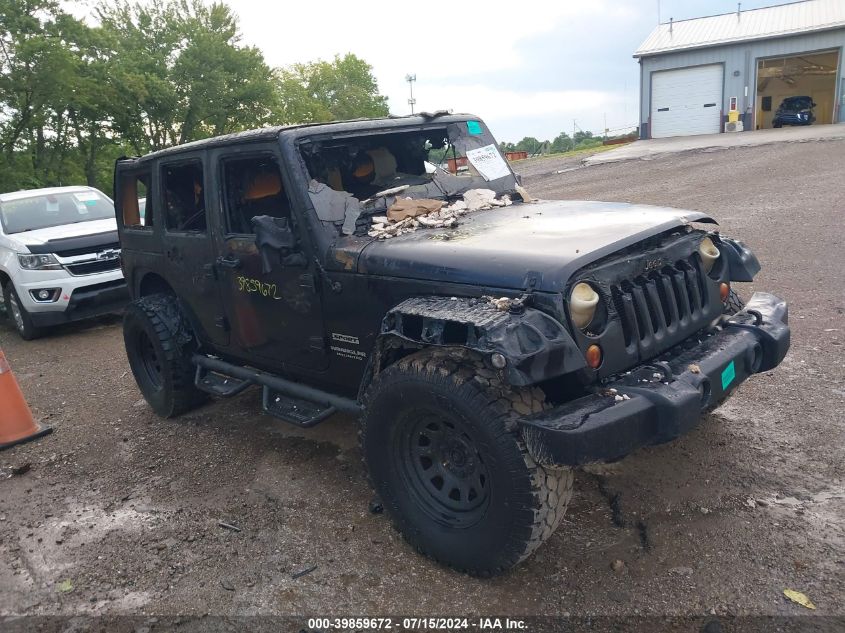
184,197
253,186
136,200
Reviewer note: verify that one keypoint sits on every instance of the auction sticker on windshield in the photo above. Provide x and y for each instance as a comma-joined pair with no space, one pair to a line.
489,162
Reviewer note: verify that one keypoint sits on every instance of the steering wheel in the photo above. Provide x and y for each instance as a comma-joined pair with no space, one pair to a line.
185,226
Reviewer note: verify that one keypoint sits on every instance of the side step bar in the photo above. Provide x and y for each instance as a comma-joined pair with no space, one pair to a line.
291,401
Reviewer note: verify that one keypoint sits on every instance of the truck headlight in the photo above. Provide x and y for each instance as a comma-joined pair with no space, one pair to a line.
582,304
38,262
708,252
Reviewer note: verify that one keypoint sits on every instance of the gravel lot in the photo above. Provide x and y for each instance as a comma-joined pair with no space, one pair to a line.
120,510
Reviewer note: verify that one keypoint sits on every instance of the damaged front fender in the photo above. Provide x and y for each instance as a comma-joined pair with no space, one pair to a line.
536,347
743,264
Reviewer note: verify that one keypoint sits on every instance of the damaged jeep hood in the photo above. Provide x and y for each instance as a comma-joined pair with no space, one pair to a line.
501,248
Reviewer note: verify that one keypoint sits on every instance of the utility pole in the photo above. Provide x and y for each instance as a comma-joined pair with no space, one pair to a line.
411,79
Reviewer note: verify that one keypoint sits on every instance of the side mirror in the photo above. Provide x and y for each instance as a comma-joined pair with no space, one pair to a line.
276,242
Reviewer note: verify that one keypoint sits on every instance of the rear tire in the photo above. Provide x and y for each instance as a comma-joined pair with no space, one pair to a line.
444,453
18,315
159,345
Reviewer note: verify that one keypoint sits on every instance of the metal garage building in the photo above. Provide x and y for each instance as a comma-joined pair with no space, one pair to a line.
693,73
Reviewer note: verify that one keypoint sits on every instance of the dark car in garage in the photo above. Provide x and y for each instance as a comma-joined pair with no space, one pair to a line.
795,111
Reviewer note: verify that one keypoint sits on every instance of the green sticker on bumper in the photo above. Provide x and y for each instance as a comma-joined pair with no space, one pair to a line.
728,375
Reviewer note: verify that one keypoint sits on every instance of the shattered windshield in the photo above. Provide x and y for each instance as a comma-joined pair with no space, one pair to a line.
361,181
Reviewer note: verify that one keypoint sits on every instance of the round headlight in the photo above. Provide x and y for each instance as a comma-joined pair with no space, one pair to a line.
582,304
709,253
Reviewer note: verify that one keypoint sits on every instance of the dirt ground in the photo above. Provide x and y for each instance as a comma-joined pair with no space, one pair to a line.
120,510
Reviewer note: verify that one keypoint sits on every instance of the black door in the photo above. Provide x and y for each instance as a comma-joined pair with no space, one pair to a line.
187,242
272,301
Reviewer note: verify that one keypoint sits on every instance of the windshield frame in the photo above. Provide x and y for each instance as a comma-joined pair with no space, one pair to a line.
100,198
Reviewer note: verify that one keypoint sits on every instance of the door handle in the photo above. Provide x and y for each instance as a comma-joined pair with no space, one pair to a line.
228,262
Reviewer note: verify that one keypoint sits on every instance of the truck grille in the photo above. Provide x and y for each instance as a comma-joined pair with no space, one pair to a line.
86,250
661,308
91,267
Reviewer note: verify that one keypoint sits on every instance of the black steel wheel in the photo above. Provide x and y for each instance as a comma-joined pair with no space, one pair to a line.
447,460
150,360
159,345
443,467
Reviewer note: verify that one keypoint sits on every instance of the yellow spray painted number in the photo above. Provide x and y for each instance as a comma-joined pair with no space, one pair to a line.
251,285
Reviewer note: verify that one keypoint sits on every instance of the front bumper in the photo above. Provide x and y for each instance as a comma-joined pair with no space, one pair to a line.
86,302
794,119
660,401
79,297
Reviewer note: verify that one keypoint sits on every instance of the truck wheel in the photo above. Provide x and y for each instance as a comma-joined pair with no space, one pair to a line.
18,314
159,344
444,454
734,304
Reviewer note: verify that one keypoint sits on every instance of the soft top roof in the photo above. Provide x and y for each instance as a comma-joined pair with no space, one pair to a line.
308,129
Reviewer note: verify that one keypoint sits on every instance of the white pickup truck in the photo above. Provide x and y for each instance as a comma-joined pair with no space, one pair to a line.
59,257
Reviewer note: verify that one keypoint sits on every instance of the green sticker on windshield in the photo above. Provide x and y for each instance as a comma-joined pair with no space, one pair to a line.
728,375
474,127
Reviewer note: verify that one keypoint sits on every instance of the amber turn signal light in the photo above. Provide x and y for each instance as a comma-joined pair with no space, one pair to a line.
593,356
724,291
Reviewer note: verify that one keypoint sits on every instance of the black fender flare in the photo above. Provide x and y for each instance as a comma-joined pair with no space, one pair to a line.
536,346
742,263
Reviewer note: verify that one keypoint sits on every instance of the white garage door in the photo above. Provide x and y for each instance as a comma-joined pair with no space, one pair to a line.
686,101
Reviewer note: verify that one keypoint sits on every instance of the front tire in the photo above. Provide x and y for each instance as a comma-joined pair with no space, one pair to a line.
18,315
444,453
159,345
734,303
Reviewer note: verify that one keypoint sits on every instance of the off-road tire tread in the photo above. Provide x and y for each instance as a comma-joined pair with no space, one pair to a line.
178,342
551,486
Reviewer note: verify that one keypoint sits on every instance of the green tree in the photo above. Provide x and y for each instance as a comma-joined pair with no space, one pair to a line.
530,144
36,75
581,136
562,143
344,88
183,73
74,95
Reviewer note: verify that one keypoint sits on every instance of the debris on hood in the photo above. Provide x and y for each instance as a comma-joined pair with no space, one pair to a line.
410,208
502,303
406,215
506,304
383,194
481,199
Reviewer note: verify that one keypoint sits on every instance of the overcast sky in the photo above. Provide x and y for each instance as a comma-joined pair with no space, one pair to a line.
527,68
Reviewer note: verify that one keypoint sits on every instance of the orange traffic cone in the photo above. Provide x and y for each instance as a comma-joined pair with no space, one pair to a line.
16,423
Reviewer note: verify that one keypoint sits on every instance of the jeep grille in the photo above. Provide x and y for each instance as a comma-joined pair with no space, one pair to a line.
660,309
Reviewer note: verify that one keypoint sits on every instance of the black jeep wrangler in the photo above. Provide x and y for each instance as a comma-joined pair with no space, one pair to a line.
396,269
